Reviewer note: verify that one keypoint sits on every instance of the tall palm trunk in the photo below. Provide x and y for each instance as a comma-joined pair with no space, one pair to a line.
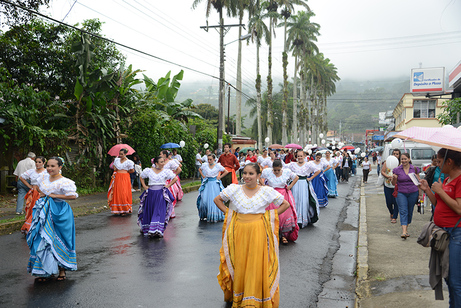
302,120
239,81
258,96
285,87
269,86
295,104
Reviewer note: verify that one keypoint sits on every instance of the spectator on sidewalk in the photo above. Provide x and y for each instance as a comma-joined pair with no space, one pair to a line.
346,166
447,198
407,191
391,202
379,160
198,163
366,169
23,165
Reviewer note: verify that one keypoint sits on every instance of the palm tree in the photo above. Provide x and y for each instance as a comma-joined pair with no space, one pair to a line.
301,37
286,13
258,30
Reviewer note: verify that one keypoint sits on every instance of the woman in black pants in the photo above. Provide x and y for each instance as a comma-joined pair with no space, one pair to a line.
366,169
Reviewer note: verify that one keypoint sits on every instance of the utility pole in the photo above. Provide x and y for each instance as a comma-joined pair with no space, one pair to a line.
228,109
222,32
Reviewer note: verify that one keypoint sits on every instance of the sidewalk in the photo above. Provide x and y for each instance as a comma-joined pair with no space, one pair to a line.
391,272
81,206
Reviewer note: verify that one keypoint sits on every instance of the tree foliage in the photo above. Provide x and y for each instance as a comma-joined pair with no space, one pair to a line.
14,15
451,112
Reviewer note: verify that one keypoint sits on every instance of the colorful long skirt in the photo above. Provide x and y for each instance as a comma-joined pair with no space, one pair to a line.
207,209
332,183
155,209
51,238
288,219
119,196
307,206
319,183
176,192
31,197
249,269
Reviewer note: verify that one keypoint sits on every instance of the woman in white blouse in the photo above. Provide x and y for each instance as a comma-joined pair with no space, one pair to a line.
156,206
282,180
319,182
307,205
249,269
119,196
34,176
211,173
175,188
332,182
51,237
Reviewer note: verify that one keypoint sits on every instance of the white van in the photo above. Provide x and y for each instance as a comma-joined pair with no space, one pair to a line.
420,153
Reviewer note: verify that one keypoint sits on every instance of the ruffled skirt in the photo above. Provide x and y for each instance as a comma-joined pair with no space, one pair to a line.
319,183
288,220
307,206
332,183
31,197
119,196
249,269
51,238
155,209
207,209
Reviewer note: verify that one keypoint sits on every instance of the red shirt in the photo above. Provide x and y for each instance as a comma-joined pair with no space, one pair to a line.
253,158
229,161
443,215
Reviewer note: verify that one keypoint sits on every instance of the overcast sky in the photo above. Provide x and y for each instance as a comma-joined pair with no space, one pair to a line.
364,39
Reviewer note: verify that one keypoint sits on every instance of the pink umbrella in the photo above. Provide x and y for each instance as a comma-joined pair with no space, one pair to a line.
294,146
115,150
445,137
276,146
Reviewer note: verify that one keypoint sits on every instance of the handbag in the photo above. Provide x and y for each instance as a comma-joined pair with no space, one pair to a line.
441,238
380,180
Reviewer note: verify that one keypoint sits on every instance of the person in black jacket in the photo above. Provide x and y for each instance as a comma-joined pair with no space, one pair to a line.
346,166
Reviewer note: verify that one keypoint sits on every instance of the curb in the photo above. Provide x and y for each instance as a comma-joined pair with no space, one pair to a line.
362,288
10,227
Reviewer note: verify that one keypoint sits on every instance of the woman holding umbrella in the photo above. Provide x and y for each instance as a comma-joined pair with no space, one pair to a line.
119,196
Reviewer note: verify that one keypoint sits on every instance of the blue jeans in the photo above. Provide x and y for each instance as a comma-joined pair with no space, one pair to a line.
406,203
22,191
378,169
454,274
391,203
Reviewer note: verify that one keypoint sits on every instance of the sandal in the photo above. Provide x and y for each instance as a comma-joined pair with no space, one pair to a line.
393,220
284,241
43,279
61,278
405,235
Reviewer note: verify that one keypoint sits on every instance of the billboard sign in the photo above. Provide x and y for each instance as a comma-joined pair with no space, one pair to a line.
454,78
427,80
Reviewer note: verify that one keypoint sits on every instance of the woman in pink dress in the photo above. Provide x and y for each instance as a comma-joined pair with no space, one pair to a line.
278,178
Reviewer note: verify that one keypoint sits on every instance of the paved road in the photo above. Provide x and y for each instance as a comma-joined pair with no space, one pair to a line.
120,268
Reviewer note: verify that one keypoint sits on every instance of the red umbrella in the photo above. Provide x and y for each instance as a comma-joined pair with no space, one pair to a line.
276,146
347,147
115,150
294,146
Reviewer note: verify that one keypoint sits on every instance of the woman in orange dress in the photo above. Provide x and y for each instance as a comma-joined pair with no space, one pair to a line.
34,176
119,195
249,269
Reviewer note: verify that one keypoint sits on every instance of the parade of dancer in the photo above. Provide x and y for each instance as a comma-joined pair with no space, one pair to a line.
319,182
175,189
330,175
119,196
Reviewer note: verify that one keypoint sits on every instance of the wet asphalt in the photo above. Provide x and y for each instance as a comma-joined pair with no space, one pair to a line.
118,267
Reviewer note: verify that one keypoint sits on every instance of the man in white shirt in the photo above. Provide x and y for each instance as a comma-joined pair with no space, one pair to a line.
23,165
198,162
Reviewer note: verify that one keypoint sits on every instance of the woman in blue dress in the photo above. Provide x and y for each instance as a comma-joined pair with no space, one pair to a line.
51,237
320,182
332,181
211,173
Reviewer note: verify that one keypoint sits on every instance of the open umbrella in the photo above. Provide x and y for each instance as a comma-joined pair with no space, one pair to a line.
244,150
276,146
445,137
293,146
170,145
347,147
115,150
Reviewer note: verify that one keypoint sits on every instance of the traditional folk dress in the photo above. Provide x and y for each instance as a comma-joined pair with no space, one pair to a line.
320,182
288,220
119,196
249,269
307,205
210,188
51,237
175,189
32,195
156,205
332,181
268,163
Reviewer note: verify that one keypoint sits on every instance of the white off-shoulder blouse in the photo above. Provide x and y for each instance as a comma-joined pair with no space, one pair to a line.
304,170
34,176
280,181
126,165
62,186
212,172
157,178
257,204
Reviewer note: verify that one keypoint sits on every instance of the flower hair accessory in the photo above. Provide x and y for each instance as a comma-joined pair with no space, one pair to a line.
62,160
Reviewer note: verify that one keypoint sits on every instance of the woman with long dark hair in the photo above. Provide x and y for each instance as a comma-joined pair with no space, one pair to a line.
156,205
51,237
119,196
249,270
